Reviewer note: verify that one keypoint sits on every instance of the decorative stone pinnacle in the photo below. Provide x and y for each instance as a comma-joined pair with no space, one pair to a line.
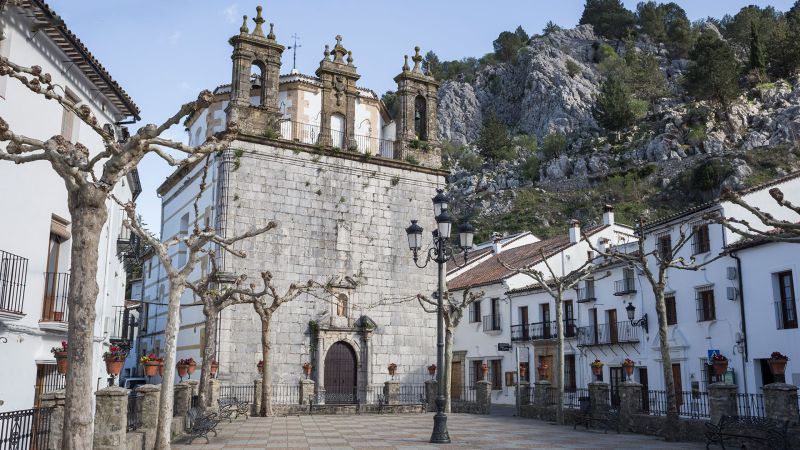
338,40
349,58
417,59
405,66
258,20
327,53
244,29
271,34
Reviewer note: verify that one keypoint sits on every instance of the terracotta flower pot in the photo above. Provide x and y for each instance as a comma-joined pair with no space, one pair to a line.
161,368
777,366
260,367
192,366
61,359
114,366
214,368
392,371
306,370
182,369
597,369
720,367
522,371
542,371
431,371
628,369
484,371
150,368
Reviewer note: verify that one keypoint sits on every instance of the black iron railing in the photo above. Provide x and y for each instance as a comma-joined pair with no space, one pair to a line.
586,294
625,286
571,396
690,404
47,380
750,405
26,429
124,327
13,274
243,392
285,394
491,322
608,333
134,413
463,394
542,331
56,294
411,393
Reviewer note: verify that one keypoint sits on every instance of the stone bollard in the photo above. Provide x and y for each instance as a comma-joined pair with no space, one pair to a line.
524,393
55,400
213,395
391,391
630,400
431,391
484,397
780,402
256,397
110,418
542,393
306,390
195,385
598,393
183,397
147,401
721,400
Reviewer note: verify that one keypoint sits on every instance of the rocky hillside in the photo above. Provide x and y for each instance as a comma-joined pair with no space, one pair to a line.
681,154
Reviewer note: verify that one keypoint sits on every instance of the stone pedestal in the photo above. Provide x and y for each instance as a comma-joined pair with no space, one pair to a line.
524,393
306,391
147,399
484,397
598,393
391,390
110,418
721,400
195,385
213,395
541,393
55,400
431,391
630,400
256,396
780,402
183,397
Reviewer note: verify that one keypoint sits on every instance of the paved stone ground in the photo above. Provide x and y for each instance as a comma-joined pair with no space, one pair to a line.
412,431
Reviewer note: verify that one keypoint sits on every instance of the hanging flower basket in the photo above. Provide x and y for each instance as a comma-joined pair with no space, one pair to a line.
260,366
161,367
114,359
214,367
484,370
542,368
60,354
307,368
150,363
720,364
183,367
523,369
628,366
777,363
432,370
192,365
392,369
597,367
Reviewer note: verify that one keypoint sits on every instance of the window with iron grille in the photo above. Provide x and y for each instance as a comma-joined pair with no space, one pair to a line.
705,304
569,369
497,375
475,311
475,373
785,305
672,312
701,242
47,380
665,246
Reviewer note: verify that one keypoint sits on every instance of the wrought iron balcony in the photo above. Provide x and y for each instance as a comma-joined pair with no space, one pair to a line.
55,306
13,274
124,328
586,294
625,286
541,331
129,247
491,322
608,334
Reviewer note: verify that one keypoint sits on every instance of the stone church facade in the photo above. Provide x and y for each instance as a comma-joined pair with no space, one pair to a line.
341,214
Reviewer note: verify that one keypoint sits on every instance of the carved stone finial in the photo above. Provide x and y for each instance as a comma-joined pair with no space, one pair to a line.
244,29
327,53
349,58
338,40
271,34
417,59
258,20
406,68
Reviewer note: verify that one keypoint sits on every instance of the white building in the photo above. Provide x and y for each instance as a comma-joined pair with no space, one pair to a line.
743,311
35,227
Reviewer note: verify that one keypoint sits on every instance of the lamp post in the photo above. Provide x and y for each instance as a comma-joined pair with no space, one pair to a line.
440,252
631,310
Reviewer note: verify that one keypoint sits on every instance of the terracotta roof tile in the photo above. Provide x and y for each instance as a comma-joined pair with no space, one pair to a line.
472,257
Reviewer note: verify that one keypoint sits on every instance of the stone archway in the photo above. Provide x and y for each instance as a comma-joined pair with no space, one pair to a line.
341,374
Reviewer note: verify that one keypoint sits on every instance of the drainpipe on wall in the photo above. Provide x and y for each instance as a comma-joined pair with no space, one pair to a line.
745,358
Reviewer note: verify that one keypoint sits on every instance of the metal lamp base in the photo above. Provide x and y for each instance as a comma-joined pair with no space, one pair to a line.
440,434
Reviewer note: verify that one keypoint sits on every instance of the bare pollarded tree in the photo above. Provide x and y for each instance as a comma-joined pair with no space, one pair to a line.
662,258
89,180
773,230
453,312
195,244
556,285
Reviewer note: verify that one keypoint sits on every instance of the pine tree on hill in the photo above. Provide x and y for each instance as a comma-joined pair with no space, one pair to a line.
613,109
714,72
493,141
756,52
609,18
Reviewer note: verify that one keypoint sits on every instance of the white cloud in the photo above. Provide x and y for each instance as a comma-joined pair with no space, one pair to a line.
232,13
174,38
185,85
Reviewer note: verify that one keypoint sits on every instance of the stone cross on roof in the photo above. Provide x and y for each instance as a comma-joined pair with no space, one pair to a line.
338,40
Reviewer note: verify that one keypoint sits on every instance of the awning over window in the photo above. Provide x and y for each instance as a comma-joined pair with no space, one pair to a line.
58,226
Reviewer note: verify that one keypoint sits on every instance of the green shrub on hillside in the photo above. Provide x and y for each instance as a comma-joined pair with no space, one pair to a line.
470,161
573,68
554,144
530,168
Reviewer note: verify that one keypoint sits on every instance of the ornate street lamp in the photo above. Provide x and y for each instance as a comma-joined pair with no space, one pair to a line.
440,252
631,310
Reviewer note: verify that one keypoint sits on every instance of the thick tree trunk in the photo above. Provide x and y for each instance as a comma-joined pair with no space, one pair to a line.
163,428
203,397
89,213
448,366
559,372
666,364
266,354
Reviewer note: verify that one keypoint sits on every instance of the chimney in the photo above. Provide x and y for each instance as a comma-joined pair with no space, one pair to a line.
496,238
574,230
608,215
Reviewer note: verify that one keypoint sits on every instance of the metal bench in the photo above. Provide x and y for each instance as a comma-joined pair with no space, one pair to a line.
200,425
604,414
228,406
770,431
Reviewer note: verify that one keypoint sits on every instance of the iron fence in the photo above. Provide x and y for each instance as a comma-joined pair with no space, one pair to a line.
586,294
243,392
625,286
285,394
13,273
750,405
25,429
689,404
56,293
134,413
411,393
608,333
463,394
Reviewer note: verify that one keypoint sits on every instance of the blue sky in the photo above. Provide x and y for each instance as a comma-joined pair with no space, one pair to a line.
163,52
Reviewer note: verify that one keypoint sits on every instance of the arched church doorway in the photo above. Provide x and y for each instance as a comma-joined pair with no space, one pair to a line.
341,378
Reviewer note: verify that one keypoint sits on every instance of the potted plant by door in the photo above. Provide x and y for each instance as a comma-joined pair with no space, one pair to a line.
628,366
214,367
542,368
307,368
392,369
720,364
523,369
597,367
777,363
114,359
160,366
150,364
484,370
183,367
260,366
61,357
432,370
192,365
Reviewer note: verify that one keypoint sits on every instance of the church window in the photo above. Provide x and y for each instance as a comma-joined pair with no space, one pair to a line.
420,118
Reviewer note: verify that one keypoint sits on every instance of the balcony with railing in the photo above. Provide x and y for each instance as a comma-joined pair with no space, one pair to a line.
608,334
124,330
305,133
491,324
13,274
541,331
625,286
55,308
586,294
